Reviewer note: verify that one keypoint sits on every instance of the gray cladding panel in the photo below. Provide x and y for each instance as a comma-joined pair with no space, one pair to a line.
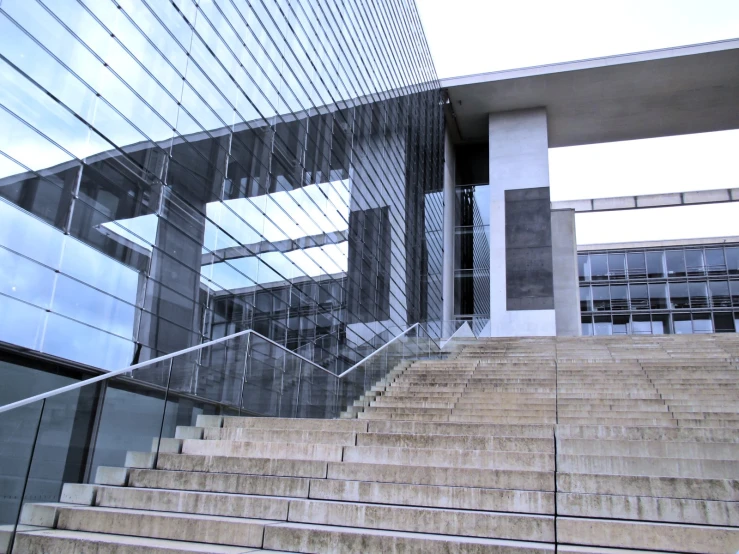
528,235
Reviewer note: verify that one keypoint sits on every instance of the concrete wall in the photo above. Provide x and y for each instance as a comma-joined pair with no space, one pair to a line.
565,277
519,169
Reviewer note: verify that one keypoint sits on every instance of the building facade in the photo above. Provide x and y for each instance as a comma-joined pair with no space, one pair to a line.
679,287
174,172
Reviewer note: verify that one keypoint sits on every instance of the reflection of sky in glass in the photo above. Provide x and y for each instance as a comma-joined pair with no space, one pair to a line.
272,267
242,220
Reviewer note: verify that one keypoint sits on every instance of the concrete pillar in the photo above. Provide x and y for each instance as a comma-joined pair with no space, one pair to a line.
521,283
564,266
447,272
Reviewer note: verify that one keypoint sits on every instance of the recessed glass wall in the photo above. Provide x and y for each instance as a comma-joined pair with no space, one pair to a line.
472,252
657,291
173,174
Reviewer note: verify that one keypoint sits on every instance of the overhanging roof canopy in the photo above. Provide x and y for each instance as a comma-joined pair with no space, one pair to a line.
674,91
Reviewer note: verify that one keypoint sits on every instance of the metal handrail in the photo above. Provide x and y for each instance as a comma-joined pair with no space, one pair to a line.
128,369
388,343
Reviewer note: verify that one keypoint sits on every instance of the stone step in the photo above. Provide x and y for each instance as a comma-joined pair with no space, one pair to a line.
656,449
726,490
228,531
469,523
645,508
245,466
461,442
279,450
293,424
698,539
178,501
261,485
647,433
484,429
661,467
76,542
436,457
438,496
517,479
323,538
280,435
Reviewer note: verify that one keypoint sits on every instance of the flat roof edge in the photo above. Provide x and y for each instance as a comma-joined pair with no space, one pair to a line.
667,243
592,63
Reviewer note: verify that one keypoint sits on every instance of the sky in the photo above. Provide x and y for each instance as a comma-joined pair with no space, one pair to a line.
477,36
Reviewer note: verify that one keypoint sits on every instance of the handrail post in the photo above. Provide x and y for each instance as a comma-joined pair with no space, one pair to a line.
243,377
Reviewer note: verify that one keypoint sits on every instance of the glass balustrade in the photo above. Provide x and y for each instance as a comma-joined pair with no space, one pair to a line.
64,435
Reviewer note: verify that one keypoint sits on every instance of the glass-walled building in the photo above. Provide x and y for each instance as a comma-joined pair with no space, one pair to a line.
174,172
685,288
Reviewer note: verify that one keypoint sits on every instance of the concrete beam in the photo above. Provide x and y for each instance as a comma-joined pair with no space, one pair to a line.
691,198
672,91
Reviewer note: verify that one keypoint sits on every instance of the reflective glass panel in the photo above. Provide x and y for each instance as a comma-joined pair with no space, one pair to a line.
698,295
655,264
601,298
682,324
702,323
715,261
732,260
637,265
679,298
694,261
723,322
619,297
639,298
583,267
675,263
617,266
585,299
719,294
658,296
599,266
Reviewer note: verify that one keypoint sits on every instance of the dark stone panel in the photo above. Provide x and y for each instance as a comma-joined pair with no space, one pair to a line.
528,232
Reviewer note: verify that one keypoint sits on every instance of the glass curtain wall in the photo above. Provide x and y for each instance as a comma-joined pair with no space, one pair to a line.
657,291
174,172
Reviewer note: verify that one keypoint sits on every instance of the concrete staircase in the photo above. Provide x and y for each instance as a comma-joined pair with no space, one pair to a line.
591,445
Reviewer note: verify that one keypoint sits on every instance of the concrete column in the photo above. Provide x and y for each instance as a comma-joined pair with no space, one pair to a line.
521,284
447,272
564,266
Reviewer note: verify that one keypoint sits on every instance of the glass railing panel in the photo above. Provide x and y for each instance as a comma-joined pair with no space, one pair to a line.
18,431
66,437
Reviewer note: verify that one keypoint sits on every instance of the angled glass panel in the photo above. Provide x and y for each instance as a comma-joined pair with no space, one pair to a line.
694,261
715,260
661,324
720,296
682,324
655,264
658,296
675,263
599,267
679,298
637,265
583,267
641,324
698,295
723,322
619,297
586,303
617,266
702,323
732,260
601,298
